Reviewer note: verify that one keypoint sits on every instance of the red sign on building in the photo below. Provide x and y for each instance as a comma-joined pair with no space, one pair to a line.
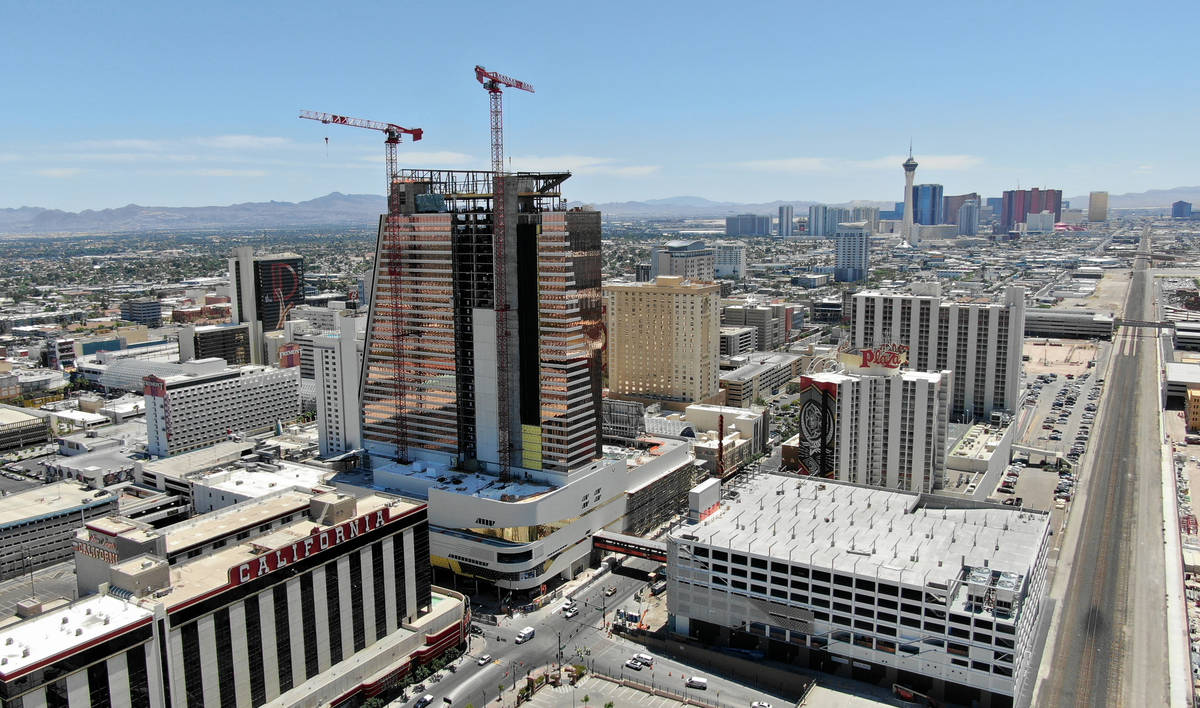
316,542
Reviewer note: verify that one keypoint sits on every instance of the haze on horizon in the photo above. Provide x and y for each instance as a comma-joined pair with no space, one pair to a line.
192,106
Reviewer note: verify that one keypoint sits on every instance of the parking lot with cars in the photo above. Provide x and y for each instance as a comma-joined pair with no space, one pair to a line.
1064,413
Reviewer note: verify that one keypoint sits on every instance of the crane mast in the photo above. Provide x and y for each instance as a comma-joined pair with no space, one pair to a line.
494,84
391,304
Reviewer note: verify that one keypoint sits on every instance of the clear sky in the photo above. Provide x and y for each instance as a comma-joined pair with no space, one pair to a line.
163,103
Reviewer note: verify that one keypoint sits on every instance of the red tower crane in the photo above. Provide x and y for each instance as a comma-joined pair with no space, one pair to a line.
391,306
494,84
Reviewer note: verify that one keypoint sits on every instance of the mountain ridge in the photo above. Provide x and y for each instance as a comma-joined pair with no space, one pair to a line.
363,210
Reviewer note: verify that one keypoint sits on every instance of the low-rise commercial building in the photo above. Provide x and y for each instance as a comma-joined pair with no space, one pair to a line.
753,424
37,525
738,340
241,481
144,310
761,376
1187,335
21,428
770,324
1068,324
518,534
940,597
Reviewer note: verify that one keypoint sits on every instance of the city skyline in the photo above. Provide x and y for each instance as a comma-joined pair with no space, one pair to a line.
208,117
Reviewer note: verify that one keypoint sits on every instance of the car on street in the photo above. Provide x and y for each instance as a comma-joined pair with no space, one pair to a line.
525,635
760,704
633,664
610,590
423,701
486,658
644,659
697,682
570,612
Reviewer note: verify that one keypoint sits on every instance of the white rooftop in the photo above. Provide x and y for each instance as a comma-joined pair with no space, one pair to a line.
486,486
259,479
198,576
870,531
1179,373
9,416
63,630
224,522
48,500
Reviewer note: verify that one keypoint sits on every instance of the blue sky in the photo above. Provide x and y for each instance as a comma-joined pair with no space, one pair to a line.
161,104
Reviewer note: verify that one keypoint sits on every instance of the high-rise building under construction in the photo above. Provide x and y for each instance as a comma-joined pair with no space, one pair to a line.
431,380
432,391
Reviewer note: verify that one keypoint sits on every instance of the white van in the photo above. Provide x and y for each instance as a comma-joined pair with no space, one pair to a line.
698,682
524,635
644,659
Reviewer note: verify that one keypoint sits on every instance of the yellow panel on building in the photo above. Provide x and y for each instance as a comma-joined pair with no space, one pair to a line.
531,446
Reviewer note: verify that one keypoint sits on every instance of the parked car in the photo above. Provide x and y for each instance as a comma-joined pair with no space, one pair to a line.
483,659
633,664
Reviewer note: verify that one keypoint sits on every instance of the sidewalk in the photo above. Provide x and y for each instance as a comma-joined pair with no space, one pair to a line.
1179,669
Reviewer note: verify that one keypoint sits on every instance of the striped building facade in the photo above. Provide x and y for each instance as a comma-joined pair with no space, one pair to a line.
305,615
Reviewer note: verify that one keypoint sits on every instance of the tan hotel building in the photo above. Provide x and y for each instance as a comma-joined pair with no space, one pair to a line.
664,339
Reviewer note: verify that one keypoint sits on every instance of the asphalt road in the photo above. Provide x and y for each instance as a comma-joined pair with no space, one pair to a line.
1111,644
577,636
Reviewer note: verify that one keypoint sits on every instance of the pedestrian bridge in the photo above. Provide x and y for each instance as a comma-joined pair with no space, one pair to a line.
1143,323
630,545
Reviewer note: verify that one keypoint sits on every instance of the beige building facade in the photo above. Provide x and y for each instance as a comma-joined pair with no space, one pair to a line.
664,339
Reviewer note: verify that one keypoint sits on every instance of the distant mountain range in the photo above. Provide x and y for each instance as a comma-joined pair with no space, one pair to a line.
362,210
334,209
1144,200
